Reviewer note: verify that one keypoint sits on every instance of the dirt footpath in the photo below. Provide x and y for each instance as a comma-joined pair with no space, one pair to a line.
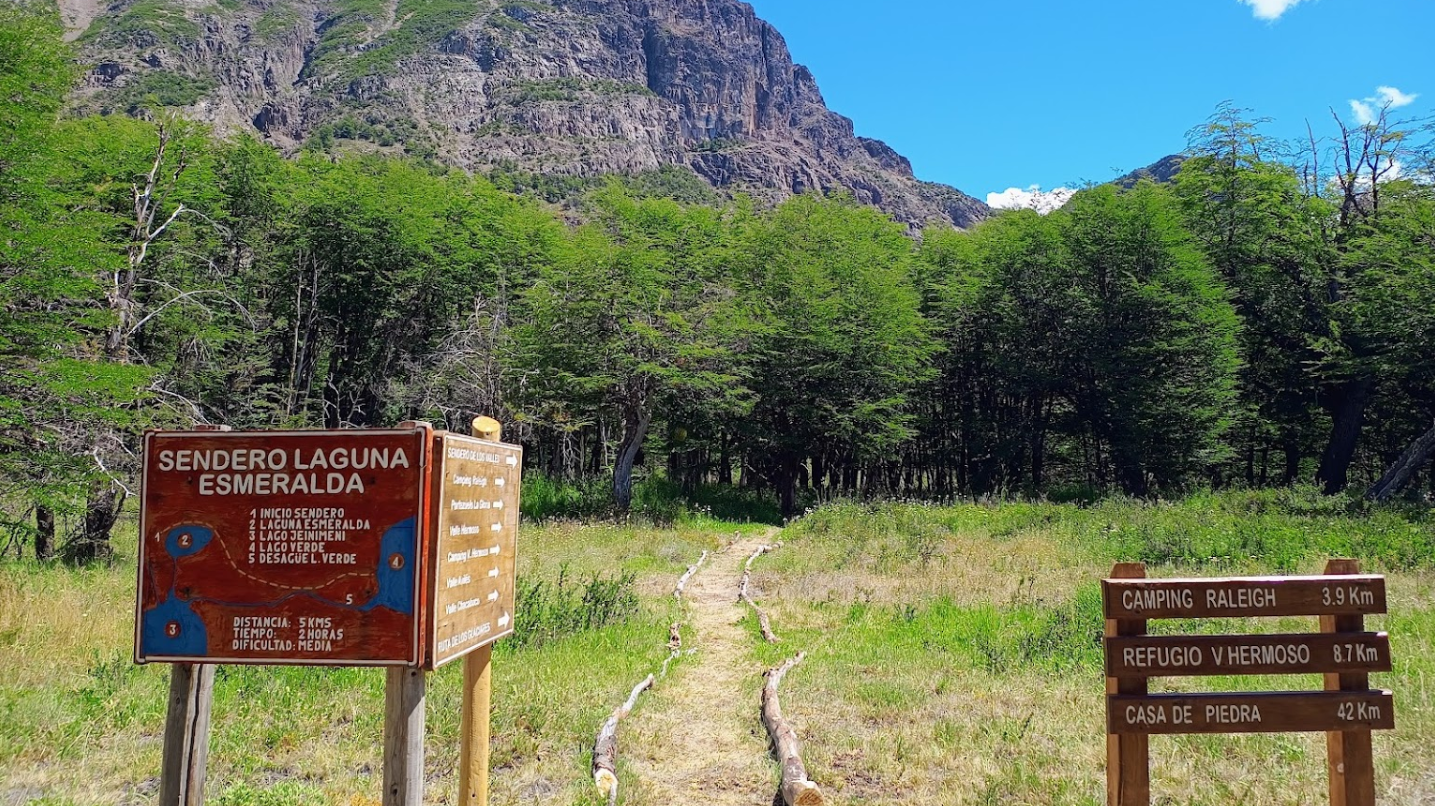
698,740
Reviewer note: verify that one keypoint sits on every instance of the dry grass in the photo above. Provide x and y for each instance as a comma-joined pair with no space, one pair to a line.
961,667
952,659
80,723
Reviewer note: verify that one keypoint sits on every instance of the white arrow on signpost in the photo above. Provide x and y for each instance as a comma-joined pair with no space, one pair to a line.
503,621
493,572
498,482
493,597
511,461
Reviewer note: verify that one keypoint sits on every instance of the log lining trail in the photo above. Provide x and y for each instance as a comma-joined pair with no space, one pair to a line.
699,740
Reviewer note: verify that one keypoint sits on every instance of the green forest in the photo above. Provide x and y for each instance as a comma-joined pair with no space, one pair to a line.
1266,319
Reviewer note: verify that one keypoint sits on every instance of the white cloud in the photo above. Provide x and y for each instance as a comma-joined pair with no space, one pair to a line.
1367,110
1270,9
1033,198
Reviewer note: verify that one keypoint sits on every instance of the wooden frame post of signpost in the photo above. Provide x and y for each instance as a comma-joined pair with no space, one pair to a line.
1349,753
1128,755
405,693
477,691
405,690
185,762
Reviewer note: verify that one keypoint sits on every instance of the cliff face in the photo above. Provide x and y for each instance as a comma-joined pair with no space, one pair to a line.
575,87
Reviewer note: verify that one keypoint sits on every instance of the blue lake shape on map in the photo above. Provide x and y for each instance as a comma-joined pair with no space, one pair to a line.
155,625
396,585
199,537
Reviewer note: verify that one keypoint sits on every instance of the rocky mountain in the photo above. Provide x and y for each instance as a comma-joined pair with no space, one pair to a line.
1161,171
566,87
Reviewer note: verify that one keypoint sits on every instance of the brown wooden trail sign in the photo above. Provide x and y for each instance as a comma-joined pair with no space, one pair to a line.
476,525
347,548
1347,710
298,547
1194,655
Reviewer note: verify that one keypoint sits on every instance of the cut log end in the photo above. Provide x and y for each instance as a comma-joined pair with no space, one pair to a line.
606,781
801,793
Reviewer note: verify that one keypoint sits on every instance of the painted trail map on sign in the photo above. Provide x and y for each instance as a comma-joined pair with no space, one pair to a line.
282,547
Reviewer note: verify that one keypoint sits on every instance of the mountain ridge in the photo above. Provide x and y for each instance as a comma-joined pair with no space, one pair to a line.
565,87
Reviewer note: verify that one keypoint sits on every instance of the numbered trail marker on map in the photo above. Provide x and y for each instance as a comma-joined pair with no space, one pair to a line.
300,547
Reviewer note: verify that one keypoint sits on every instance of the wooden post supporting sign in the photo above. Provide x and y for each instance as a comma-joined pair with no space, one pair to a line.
1128,768
1348,752
1347,710
404,690
477,691
185,761
186,735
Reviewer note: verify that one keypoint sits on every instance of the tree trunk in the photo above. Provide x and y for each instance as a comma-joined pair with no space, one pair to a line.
1129,471
1293,459
724,469
102,509
635,427
1347,420
787,484
1399,473
44,533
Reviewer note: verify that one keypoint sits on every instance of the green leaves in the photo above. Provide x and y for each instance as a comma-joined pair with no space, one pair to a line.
1097,327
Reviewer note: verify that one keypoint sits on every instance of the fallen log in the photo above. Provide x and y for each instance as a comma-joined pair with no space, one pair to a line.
1398,474
797,789
605,748
743,595
683,580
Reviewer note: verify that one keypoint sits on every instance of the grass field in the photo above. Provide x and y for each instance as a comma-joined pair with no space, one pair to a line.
953,658
955,652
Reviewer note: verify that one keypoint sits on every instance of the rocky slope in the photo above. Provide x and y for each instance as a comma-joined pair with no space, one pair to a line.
1161,172
569,87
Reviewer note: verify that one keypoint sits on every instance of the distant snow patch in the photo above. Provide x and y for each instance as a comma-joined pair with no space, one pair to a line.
1033,198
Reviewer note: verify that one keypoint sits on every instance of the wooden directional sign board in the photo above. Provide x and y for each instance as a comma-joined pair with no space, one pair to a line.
1355,594
1343,652
476,521
299,547
1188,655
1251,712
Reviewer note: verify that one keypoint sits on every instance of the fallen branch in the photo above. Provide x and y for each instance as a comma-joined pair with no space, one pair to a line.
605,749
683,580
742,595
1398,474
797,789
677,653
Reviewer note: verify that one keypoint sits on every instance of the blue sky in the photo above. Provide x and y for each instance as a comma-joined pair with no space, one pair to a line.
1003,94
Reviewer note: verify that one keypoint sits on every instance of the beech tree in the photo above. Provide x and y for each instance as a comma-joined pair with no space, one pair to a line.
635,316
841,343
1264,235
